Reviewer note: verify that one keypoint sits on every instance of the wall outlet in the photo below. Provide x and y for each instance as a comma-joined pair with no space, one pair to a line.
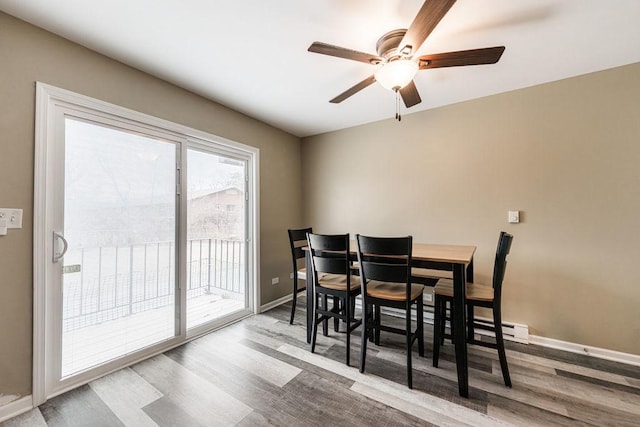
428,297
275,280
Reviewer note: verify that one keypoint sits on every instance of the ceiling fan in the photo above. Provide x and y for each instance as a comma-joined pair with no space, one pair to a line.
395,61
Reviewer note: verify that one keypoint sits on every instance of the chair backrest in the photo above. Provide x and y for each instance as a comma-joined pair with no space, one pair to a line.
329,254
297,240
500,264
386,259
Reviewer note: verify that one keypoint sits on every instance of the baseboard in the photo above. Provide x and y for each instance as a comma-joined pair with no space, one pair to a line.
273,304
600,353
16,408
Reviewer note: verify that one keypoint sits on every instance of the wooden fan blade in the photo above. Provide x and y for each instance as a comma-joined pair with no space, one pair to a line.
353,90
428,16
410,95
342,52
487,55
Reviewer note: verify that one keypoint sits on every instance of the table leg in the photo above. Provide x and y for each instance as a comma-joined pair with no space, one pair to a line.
469,319
459,326
309,297
470,272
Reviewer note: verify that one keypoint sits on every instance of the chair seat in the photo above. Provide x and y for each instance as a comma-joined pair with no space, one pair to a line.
302,273
475,291
393,291
337,282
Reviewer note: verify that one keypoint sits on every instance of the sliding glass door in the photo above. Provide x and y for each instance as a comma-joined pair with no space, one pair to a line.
143,238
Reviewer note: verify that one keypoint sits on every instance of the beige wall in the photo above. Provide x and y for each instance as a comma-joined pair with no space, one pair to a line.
27,55
566,154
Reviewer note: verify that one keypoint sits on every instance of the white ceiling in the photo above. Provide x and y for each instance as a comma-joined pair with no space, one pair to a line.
251,55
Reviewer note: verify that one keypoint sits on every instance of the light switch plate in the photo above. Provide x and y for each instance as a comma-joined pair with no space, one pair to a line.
514,217
12,216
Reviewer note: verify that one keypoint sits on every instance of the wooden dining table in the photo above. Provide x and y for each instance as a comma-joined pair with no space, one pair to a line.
457,259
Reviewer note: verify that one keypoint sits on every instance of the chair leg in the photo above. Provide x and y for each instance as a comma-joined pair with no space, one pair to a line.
337,308
443,324
364,334
314,325
353,305
437,331
420,326
371,331
325,322
347,310
409,338
295,296
470,323
376,323
502,355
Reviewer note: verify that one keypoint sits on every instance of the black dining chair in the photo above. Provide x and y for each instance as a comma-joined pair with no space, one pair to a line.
477,295
331,269
385,274
297,240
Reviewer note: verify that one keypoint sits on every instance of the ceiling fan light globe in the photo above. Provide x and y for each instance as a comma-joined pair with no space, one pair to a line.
396,74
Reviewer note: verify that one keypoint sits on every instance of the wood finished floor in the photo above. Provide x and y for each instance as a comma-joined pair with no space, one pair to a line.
260,372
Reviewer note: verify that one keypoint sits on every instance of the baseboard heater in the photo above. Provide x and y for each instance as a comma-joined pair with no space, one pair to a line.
510,331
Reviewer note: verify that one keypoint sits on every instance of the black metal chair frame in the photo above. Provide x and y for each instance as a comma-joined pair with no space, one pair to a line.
330,255
297,235
440,312
388,259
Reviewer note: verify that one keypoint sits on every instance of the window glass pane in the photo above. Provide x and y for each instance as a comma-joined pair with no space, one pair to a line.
216,218
119,221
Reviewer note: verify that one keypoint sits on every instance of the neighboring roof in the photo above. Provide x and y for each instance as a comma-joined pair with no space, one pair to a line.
200,194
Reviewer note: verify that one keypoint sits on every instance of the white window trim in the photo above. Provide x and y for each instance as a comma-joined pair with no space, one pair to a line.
48,98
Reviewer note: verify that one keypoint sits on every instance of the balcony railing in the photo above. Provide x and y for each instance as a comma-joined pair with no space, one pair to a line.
118,281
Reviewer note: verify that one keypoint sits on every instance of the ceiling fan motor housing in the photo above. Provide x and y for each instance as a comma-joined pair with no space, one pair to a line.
387,45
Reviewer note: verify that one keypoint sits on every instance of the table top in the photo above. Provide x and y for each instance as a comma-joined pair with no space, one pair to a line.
458,254
443,253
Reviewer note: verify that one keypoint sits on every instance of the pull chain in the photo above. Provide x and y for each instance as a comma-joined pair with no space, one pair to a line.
398,116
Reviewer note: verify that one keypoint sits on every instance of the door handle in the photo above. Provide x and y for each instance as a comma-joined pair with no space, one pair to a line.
57,255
